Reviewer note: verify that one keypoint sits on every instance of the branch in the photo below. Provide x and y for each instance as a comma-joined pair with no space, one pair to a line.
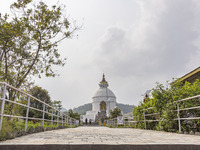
31,66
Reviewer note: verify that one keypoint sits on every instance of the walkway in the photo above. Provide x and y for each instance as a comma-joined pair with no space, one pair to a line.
104,136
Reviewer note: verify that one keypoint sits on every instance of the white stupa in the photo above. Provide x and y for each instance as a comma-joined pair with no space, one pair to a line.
104,99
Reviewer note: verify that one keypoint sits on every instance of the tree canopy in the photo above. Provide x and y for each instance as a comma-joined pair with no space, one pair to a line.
115,112
42,95
163,102
29,38
73,115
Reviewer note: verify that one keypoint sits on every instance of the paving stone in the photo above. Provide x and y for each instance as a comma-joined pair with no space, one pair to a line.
103,135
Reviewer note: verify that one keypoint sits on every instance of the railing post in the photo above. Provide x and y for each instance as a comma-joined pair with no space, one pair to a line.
65,120
27,113
62,119
129,122
160,121
43,115
2,105
52,118
144,120
179,120
112,122
57,118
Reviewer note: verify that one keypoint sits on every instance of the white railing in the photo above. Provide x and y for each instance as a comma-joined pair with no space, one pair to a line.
189,108
26,100
146,115
177,110
129,120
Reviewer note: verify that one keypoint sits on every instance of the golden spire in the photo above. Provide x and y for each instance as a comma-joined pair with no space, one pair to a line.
103,80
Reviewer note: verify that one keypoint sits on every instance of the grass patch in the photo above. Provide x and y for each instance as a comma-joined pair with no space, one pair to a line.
12,128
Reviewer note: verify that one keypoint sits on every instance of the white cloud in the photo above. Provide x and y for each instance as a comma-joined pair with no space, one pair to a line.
158,47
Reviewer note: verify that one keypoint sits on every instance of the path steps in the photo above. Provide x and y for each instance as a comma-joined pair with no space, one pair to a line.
103,138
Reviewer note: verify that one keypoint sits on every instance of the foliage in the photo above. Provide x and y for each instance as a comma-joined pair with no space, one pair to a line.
73,115
57,105
115,112
163,102
42,95
29,40
13,126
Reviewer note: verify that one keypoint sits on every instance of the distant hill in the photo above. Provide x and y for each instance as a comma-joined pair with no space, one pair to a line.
83,108
125,108
63,109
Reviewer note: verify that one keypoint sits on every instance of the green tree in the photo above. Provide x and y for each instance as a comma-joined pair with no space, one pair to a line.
164,104
42,95
73,115
57,105
115,112
29,40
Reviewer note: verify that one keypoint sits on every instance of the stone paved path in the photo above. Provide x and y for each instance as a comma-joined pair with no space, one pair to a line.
103,135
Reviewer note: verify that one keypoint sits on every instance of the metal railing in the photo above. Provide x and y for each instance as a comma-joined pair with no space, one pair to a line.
178,110
147,115
127,121
25,100
184,109
156,115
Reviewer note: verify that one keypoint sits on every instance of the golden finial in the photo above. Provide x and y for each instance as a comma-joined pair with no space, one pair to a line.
103,77
103,80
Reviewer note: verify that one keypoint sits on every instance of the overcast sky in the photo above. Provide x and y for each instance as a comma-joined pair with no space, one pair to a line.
136,43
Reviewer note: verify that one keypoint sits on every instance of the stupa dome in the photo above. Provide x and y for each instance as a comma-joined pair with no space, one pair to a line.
104,92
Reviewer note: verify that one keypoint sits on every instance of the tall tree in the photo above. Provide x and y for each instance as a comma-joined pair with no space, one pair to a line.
73,115
42,95
29,40
115,112
57,105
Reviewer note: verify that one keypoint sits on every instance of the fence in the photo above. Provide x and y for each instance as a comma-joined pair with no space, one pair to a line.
156,115
10,96
147,115
178,110
127,122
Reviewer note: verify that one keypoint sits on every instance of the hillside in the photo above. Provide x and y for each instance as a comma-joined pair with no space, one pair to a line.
83,108
125,108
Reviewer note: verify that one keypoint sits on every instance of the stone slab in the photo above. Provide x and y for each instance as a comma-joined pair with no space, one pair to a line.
93,137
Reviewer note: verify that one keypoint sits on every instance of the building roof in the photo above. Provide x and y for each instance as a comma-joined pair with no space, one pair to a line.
191,76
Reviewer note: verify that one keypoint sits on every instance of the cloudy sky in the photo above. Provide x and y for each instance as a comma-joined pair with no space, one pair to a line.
136,43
